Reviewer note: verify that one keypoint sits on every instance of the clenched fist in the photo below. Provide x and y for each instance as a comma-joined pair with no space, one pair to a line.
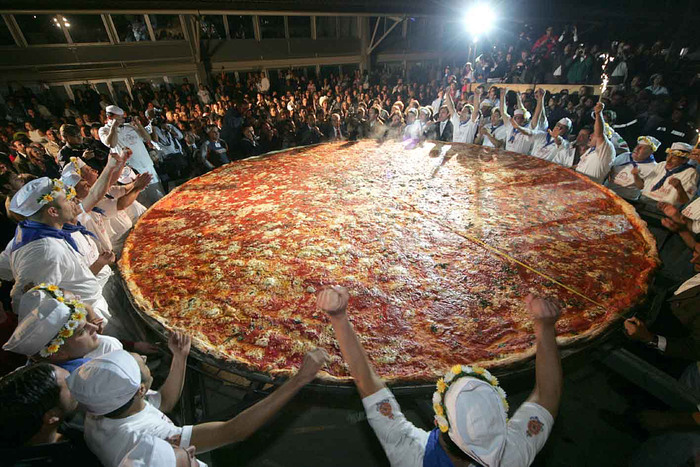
333,300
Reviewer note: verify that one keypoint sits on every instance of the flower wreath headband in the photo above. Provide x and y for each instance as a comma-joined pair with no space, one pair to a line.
78,315
58,186
444,383
74,160
678,153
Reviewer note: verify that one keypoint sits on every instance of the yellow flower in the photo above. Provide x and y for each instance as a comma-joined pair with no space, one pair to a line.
52,288
60,299
494,381
441,386
78,315
438,410
478,370
53,348
65,333
457,369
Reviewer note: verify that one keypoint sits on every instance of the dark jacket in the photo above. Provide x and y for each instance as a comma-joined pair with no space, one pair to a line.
686,307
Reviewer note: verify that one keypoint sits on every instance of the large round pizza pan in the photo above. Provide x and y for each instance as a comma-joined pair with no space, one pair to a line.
445,239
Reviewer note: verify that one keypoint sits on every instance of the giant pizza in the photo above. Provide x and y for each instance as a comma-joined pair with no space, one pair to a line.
438,245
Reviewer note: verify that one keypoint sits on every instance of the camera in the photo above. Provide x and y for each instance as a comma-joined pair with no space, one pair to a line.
158,119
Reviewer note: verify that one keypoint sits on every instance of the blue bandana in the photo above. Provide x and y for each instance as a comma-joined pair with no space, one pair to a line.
71,365
28,231
78,228
434,455
99,211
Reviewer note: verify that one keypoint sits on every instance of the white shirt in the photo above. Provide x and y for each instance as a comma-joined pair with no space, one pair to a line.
264,84
437,103
53,261
692,212
167,143
545,147
595,162
464,132
110,439
105,345
666,193
119,222
97,224
127,137
87,246
517,141
621,178
499,132
204,96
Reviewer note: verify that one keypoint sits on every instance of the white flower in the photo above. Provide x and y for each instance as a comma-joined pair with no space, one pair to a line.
449,376
44,353
57,341
466,369
442,422
487,375
72,324
436,398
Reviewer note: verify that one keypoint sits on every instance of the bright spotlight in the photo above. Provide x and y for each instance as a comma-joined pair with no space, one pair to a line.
479,19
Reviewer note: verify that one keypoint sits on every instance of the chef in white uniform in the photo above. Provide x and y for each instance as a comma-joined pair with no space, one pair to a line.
630,169
117,134
674,181
465,123
595,162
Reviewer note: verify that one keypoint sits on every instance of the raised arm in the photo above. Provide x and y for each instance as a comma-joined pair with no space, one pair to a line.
170,391
211,435
334,301
539,110
521,129
450,104
599,126
114,167
477,103
548,372
504,108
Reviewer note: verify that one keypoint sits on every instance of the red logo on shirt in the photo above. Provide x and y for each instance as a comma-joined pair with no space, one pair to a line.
534,426
384,408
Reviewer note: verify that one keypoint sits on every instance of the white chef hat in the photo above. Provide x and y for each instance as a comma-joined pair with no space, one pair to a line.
127,176
322,99
566,121
41,319
113,109
70,175
426,110
519,112
106,383
680,147
649,141
478,421
33,196
150,452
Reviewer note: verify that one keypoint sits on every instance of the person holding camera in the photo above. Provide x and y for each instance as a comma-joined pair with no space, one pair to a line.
120,133
172,164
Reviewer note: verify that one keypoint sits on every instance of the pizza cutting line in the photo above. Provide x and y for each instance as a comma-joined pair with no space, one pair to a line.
499,252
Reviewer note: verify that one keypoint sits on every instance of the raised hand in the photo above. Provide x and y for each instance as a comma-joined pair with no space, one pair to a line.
675,183
179,344
543,310
635,171
333,300
142,180
313,362
598,108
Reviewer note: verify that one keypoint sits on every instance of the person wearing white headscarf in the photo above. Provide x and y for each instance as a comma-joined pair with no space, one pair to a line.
595,162
675,180
115,391
56,327
629,170
42,251
471,410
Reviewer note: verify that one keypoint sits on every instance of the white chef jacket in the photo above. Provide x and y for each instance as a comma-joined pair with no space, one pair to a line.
110,439
517,141
545,147
666,193
499,132
52,261
621,178
464,132
119,221
596,161
128,137
692,212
